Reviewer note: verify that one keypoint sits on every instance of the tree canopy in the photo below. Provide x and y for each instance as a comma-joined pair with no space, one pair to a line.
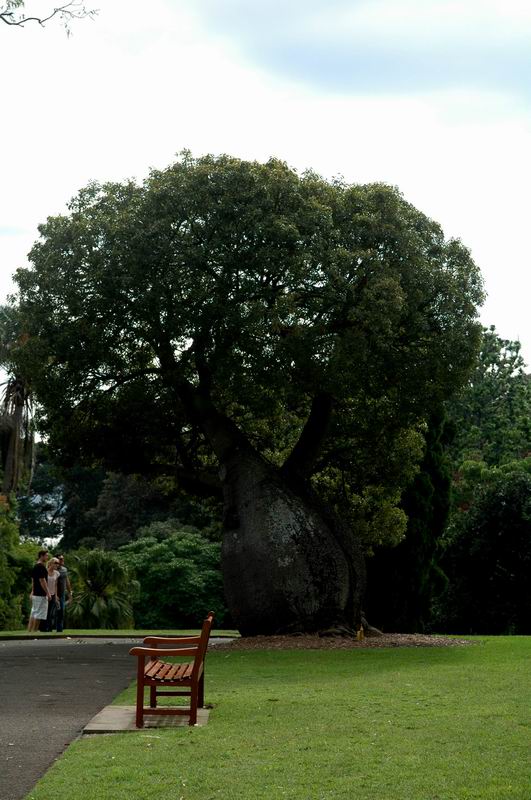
492,414
278,296
227,307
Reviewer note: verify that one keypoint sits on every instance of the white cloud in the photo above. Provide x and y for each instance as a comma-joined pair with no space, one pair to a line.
485,21
383,46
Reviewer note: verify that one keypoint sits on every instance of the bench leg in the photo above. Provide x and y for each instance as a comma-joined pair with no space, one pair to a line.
152,696
193,704
201,691
140,694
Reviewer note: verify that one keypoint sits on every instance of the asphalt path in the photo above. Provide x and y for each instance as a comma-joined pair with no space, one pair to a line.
50,689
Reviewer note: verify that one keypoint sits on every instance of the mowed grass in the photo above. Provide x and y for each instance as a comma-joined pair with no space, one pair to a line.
395,724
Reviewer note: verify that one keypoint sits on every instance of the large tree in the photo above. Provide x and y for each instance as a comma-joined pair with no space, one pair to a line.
285,333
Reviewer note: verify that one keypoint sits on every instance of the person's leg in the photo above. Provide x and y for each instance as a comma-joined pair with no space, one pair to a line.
36,614
53,617
60,619
50,617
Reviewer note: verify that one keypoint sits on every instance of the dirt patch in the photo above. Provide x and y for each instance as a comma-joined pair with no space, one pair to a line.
315,642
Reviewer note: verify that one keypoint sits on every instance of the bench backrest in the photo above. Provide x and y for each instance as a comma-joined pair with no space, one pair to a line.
203,640
193,646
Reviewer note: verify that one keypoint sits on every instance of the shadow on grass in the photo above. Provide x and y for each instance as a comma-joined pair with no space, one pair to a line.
292,665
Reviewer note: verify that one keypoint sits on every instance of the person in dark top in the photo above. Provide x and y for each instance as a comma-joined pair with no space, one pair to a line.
63,587
40,594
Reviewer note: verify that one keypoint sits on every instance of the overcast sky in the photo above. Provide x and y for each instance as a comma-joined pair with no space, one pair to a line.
433,96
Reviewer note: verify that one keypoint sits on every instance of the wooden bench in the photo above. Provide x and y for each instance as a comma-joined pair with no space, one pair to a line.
160,675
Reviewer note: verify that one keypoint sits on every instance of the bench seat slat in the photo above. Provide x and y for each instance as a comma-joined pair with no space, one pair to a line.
163,671
172,672
184,671
152,667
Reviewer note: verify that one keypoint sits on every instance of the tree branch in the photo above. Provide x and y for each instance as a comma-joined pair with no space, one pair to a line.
302,458
118,382
223,434
68,12
202,484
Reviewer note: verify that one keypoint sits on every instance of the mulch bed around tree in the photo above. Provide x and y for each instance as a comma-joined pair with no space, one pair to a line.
315,642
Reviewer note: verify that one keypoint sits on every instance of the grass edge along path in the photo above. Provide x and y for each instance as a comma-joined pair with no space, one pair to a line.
109,633
391,724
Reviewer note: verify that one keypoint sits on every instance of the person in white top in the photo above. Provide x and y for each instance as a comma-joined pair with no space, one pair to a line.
53,574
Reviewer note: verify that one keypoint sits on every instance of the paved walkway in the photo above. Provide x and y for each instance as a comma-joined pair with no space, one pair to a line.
50,690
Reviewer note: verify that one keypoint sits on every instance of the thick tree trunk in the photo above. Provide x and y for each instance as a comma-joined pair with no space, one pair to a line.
287,565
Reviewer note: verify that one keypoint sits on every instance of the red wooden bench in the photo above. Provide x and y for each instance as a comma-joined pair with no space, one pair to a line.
160,675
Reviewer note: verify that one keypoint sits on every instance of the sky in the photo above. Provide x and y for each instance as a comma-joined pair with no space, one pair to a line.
432,96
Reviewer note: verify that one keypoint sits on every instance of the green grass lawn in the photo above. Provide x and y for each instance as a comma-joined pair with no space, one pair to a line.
394,724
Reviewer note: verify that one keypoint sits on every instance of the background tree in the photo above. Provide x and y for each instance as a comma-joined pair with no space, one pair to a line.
492,415
86,506
491,419
279,322
10,599
21,557
487,558
40,508
128,503
179,574
125,504
404,581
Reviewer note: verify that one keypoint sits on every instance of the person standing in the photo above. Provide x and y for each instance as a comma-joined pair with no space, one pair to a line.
53,575
40,594
63,587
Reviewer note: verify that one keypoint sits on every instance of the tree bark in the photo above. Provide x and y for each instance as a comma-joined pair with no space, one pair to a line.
287,564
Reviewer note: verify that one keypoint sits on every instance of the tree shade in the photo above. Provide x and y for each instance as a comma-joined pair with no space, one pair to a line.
488,557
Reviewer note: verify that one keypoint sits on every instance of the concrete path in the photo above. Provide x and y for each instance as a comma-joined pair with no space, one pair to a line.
49,691
122,719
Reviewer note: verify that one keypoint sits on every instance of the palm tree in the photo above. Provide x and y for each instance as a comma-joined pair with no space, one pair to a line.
16,434
16,408
105,591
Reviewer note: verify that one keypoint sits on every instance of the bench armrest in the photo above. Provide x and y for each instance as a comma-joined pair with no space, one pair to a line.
162,652
176,640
